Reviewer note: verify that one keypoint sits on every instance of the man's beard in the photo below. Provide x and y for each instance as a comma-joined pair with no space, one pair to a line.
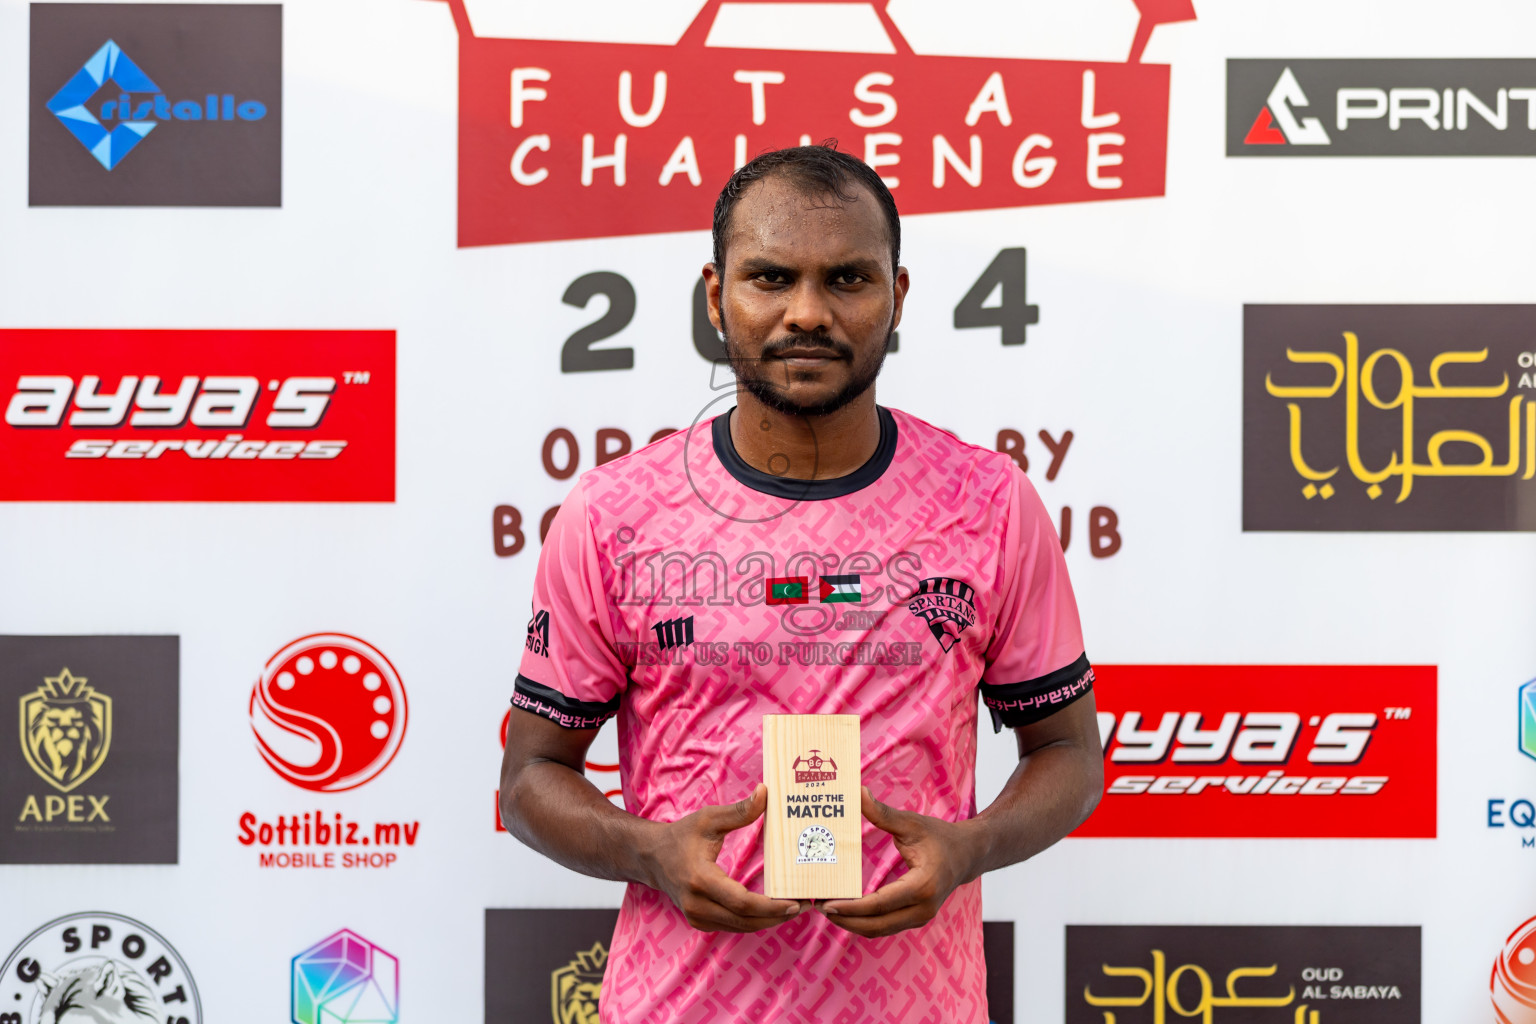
750,373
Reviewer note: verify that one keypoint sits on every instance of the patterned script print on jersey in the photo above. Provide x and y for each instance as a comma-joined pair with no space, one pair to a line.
690,726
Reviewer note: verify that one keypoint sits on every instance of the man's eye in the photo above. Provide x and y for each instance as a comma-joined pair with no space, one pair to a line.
849,278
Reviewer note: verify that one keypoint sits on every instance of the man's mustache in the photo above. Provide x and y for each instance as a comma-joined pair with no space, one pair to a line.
778,346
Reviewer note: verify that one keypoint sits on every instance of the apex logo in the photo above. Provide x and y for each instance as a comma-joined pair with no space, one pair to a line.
1276,125
674,632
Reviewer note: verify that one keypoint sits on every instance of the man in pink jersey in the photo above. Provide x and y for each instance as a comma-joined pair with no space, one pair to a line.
807,552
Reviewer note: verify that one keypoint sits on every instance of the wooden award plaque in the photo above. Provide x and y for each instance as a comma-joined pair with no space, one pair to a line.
812,846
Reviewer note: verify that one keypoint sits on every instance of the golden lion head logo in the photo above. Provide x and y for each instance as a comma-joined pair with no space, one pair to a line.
574,988
66,728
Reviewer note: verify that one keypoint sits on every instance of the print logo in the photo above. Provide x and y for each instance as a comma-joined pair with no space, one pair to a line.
674,632
817,846
97,968
1286,93
946,605
66,730
816,768
538,633
345,979
574,988
328,712
1514,977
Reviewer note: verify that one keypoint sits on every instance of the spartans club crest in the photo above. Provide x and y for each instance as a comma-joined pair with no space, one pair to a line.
947,605
66,729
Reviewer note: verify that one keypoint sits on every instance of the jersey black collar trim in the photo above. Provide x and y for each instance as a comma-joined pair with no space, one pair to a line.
806,490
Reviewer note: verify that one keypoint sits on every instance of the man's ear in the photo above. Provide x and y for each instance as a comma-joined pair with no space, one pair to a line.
902,283
712,293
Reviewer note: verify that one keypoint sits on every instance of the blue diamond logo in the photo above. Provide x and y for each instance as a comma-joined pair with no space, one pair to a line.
109,64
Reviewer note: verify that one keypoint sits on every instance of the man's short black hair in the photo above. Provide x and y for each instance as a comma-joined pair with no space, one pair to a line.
817,171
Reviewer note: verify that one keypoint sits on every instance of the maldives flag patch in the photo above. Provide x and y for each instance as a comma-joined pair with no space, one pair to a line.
789,590
841,588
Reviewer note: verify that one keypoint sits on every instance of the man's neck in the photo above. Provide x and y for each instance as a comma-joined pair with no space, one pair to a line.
805,447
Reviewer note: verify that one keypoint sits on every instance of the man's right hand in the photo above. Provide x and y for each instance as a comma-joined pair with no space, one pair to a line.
684,864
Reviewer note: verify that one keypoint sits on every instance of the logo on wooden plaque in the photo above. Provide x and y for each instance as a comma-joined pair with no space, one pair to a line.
811,767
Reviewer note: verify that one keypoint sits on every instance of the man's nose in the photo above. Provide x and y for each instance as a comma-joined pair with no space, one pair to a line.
808,311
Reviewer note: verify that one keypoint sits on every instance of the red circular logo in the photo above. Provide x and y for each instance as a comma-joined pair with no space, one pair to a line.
328,712
1514,977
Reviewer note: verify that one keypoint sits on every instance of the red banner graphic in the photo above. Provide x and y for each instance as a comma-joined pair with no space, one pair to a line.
148,415
562,140
1266,751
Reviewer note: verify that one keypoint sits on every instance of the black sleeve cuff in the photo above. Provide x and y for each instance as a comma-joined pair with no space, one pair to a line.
560,709
1016,704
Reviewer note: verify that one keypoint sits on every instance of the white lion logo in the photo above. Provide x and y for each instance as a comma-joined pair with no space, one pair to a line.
104,993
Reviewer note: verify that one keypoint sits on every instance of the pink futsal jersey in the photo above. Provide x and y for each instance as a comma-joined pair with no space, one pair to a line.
691,594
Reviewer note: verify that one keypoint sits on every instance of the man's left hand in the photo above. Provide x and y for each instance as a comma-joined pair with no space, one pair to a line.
938,856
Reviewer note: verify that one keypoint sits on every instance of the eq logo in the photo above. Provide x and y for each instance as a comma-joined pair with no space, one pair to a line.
156,105
1267,751
1520,813
561,140
328,712
1514,977
197,415
345,979
99,967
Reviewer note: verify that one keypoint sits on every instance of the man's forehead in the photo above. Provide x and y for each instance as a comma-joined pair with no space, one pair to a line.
777,219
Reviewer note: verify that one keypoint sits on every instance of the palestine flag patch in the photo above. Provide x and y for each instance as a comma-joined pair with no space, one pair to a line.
789,590
835,589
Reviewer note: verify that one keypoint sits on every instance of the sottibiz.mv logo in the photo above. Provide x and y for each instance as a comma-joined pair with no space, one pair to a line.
1514,977
562,140
197,415
1267,751
328,714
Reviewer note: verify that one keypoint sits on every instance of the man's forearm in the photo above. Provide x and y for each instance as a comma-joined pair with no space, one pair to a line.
558,812
1050,793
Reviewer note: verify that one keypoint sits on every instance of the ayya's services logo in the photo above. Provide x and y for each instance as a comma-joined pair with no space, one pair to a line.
89,776
156,105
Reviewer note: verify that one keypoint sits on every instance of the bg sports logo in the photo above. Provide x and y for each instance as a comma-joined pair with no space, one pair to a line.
562,140
97,967
197,415
156,105
1267,751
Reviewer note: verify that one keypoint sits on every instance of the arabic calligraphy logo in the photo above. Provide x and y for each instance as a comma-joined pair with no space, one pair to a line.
946,605
328,712
1514,977
1162,989
574,988
66,730
343,978
815,768
1358,380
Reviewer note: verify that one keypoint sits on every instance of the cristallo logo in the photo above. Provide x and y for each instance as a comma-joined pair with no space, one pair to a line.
562,139
574,988
328,712
66,730
813,767
1514,977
